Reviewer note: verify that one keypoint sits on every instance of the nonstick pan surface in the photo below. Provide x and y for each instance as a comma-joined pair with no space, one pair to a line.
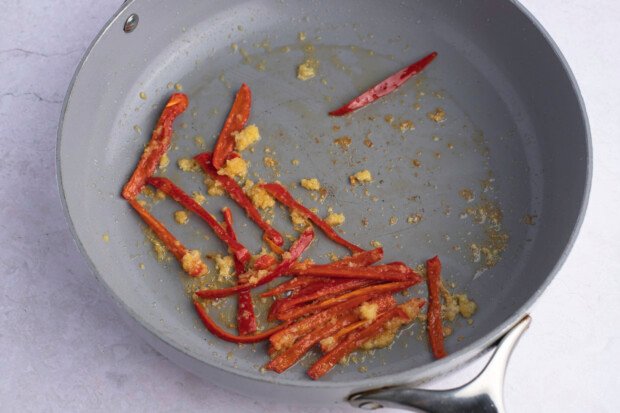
508,170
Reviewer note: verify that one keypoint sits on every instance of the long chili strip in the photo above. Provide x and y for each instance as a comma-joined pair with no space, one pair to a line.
157,146
169,188
360,259
291,285
325,292
236,193
387,86
282,195
172,244
286,337
263,262
291,355
235,122
252,276
433,318
225,335
246,319
370,273
330,302
384,304
351,342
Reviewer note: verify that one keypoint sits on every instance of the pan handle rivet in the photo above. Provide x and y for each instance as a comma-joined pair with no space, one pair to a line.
131,23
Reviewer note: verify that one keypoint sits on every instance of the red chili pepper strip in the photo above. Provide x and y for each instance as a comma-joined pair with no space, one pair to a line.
169,188
172,244
291,355
272,245
304,291
370,273
330,302
235,122
351,342
264,261
286,337
290,285
226,336
246,319
360,259
387,86
282,268
433,318
327,291
157,146
384,304
236,193
282,195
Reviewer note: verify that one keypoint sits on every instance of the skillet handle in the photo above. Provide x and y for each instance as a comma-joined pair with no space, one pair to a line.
483,394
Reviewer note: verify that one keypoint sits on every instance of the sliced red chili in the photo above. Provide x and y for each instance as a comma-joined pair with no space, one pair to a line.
290,285
264,261
282,195
352,342
157,146
286,337
385,87
235,122
225,335
236,193
433,318
246,319
254,280
324,292
172,244
371,291
169,188
382,273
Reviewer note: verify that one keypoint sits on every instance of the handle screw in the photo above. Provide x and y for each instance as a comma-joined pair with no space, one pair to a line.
131,23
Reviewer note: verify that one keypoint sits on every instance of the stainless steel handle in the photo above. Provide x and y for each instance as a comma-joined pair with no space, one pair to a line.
483,394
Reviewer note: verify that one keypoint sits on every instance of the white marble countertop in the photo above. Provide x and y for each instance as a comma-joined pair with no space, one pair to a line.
64,348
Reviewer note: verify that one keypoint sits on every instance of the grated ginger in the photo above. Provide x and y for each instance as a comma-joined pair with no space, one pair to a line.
248,136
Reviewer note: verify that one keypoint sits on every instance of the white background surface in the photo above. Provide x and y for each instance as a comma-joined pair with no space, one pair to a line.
64,348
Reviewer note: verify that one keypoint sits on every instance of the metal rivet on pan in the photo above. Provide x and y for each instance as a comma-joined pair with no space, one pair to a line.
131,23
370,406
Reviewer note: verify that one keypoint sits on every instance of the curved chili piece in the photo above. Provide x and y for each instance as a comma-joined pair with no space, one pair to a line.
172,244
352,342
385,87
282,195
298,247
433,318
225,335
236,193
246,319
157,146
235,122
169,188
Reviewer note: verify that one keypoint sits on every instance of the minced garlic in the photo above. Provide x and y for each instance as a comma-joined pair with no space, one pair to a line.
307,70
181,217
248,136
261,198
368,311
234,167
334,219
360,177
188,165
199,198
192,264
224,265
214,188
311,184
164,161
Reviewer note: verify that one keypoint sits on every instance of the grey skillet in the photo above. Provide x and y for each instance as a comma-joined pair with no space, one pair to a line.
514,140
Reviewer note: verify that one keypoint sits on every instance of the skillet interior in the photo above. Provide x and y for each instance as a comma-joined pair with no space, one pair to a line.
512,111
